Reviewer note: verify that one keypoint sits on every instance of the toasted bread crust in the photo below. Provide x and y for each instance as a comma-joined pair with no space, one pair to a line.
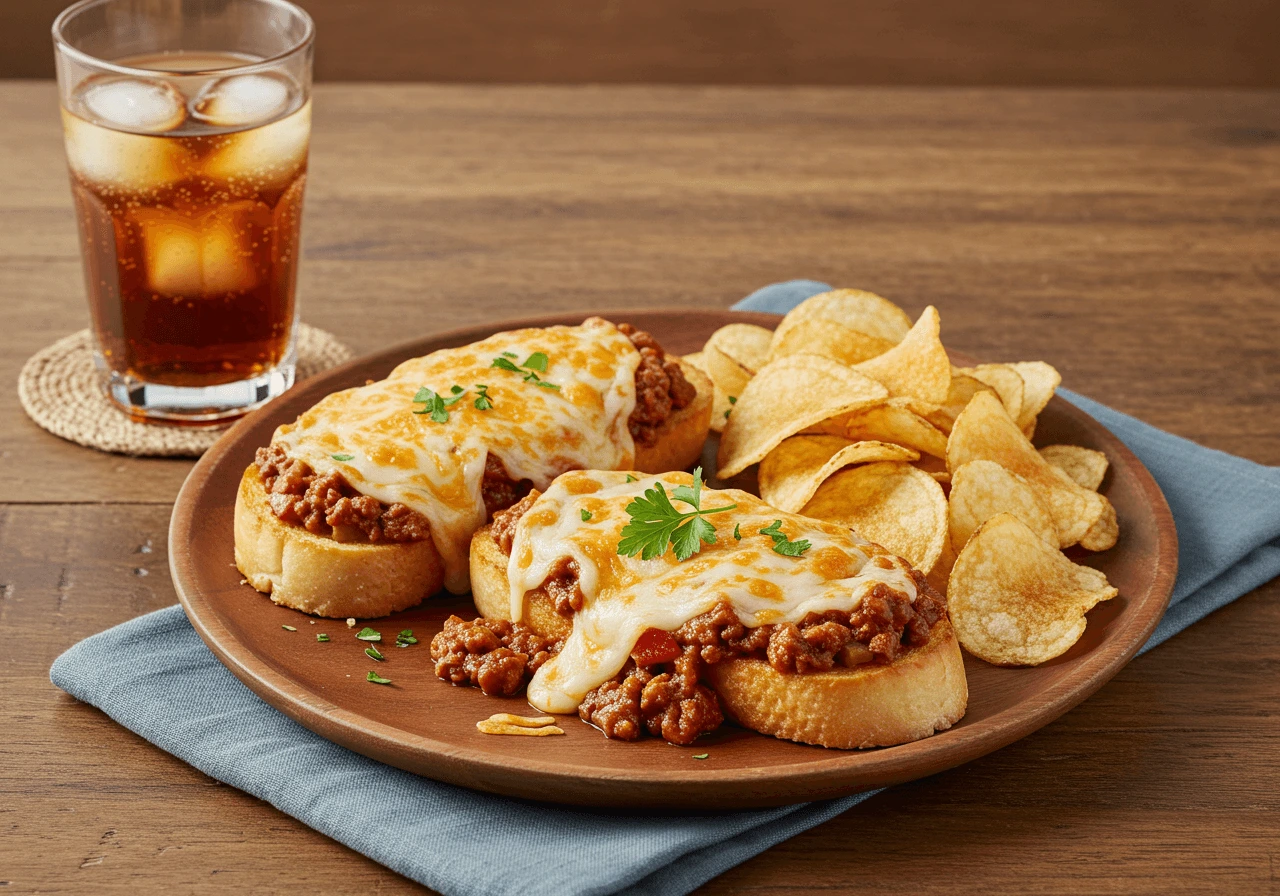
874,705
318,575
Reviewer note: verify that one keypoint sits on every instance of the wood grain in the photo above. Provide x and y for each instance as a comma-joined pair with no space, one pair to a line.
1129,43
1127,237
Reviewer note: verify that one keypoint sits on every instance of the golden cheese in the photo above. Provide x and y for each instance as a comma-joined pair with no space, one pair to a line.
435,468
624,596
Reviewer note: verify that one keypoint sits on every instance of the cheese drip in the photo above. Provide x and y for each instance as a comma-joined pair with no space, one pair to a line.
624,596
398,456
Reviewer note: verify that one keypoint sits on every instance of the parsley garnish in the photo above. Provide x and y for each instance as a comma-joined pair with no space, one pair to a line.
322,637
483,402
655,522
701,755
343,457
631,478
288,628
782,544
432,404
368,634
737,531
373,654
733,399
405,638
535,364
586,515
376,678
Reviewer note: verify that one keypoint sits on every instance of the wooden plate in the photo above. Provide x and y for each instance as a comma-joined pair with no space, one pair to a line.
427,726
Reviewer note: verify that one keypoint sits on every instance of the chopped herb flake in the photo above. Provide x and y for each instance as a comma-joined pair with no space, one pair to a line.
537,361
701,755
586,515
343,457
376,678
432,404
631,478
504,364
368,634
510,355
322,637
484,402
288,628
405,638
737,532
373,654
781,544
456,390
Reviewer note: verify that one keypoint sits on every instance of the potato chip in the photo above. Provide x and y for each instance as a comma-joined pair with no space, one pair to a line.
733,354
1040,381
785,397
893,504
792,472
856,309
963,387
1086,467
941,572
819,336
918,366
488,726
720,404
1004,381
980,489
888,423
934,466
985,431
1015,600
1104,533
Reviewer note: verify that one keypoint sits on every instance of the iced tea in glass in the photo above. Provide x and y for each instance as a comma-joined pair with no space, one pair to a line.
187,124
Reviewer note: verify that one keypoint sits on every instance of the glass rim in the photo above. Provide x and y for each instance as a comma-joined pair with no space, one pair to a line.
62,45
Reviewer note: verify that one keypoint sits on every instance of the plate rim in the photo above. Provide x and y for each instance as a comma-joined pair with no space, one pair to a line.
832,773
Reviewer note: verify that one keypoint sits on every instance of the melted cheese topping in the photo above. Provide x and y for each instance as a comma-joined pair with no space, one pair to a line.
436,468
624,596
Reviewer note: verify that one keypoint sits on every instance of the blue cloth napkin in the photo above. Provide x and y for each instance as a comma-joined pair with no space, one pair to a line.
154,676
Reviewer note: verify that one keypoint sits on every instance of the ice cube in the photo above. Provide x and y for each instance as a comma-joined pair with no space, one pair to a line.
243,100
139,105
210,254
265,156
116,159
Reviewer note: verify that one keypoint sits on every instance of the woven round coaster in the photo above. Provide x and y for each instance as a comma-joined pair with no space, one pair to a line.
59,390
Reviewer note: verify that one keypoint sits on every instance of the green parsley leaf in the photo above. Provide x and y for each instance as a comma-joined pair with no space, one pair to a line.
504,364
483,403
373,654
343,457
405,638
537,361
545,385
433,404
631,478
456,389
586,515
322,637
733,399
701,755
457,397
376,678
288,628
655,523
510,355
737,531
368,634
781,544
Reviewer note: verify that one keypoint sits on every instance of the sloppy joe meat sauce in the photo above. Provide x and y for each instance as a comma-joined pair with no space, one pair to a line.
328,505
661,688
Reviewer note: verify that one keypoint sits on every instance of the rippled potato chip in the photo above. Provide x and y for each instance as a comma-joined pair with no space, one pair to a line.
1040,381
720,404
819,336
893,504
1086,467
785,397
734,354
888,423
941,572
1015,600
1004,381
985,431
792,472
918,366
963,387
856,309
981,489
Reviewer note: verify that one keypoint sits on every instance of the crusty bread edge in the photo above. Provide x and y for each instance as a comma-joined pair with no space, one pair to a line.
873,705
682,435
318,575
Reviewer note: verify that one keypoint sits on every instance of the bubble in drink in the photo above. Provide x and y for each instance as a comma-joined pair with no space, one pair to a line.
243,100
145,106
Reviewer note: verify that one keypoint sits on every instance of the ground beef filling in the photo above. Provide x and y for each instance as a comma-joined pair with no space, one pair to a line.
661,388
328,505
494,655
660,690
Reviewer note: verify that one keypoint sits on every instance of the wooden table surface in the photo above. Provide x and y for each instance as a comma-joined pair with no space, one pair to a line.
1129,238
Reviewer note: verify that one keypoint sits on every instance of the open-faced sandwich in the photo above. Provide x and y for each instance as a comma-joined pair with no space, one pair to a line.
367,503
649,603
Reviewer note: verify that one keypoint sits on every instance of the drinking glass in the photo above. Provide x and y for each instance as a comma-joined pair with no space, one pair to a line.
186,125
